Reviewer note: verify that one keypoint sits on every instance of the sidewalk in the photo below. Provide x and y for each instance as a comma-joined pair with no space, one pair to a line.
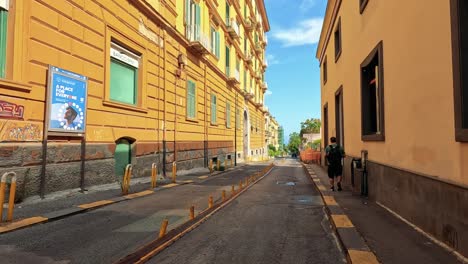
388,237
35,210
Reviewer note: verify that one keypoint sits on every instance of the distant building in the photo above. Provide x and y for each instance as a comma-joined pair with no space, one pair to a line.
394,85
281,136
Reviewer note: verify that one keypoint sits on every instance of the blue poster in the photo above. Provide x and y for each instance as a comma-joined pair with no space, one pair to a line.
67,101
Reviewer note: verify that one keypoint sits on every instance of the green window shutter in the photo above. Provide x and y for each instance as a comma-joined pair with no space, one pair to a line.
228,55
197,22
191,100
227,13
217,44
245,80
3,40
123,82
213,109
228,115
187,12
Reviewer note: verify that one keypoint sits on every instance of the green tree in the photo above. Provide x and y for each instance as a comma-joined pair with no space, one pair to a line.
310,126
294,142
272,151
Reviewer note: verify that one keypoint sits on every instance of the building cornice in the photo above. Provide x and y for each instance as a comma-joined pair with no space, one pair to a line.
331,14
262,9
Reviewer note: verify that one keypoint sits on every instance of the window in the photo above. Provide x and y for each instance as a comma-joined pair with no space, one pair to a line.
192,19
228,115
215,42
338,40
228,61
245,46
228,16
362,5
213,109
123,75
459,9
372,96
237,119
191,100
245,80
3,36
324,69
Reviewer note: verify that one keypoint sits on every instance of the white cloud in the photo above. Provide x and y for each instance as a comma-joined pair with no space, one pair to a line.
272,60
306,5
307,32
268,92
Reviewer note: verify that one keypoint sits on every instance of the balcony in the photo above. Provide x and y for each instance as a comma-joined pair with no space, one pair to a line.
258,47
250,24
265,64
233,28
199,41
259,22
248,59
249,94
264,86
233,76
258,75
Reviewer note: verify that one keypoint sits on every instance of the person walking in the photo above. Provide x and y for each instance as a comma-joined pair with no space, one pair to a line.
334,154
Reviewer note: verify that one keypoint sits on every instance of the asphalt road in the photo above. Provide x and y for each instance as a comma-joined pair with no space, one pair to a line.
110,233
278,220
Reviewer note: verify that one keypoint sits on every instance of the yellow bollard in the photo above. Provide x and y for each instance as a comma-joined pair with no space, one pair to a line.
218,165
11,198
211,166
163,228
210,202
246,182
174,172
232,163
240,185
233,191
223,194
126,179
192,212
154,176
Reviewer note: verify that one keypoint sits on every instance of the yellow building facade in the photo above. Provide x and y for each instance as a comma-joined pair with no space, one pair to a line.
391,94
167,81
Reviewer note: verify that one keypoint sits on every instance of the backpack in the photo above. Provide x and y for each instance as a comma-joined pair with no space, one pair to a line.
334,155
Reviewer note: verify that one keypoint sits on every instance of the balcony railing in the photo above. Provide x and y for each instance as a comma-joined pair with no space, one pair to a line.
258,47
199,41
250,24
233,75
233,28
248,58
264,86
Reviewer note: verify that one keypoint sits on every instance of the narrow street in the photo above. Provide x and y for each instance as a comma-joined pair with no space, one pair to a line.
279,220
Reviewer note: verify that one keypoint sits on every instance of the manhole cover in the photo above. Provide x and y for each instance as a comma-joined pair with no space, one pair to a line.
286,183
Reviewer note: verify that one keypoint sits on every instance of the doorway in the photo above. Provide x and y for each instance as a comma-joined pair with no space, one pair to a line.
122,157
339,114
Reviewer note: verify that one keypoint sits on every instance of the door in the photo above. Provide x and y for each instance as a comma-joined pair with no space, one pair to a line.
123,157
339,116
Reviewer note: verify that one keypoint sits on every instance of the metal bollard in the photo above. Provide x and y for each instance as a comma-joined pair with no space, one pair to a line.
174,172
218,165
240,185
223,194
126,179
210,202
192,212
233,191
232,163
211,166
154,176
11,199
163,228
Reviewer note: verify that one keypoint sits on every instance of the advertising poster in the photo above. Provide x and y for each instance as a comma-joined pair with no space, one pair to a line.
67,101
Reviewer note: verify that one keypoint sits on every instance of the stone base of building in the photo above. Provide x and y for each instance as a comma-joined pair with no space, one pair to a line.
63,167
437,207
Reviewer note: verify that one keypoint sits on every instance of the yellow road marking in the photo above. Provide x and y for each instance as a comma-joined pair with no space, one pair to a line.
22,223
362,257
321,187
95,204
342,221
170,185
203,177
139,194
316,180
329,200
188,181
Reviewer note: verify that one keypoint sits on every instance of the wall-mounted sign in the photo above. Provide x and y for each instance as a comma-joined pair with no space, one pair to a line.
66,101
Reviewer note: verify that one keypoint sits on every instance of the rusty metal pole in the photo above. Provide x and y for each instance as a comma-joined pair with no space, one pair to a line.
11,199
210,202
192,212
163,228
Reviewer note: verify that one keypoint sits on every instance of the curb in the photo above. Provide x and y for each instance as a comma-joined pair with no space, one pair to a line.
82,208
357,250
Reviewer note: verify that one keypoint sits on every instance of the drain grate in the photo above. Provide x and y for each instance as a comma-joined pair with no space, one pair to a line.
285,183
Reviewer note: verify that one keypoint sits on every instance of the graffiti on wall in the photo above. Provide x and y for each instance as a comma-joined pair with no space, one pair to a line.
20,131
10,110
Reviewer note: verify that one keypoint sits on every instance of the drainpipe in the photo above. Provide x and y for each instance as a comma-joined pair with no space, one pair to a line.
164,99
235,133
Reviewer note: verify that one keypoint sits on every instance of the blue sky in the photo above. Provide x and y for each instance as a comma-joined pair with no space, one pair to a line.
293,72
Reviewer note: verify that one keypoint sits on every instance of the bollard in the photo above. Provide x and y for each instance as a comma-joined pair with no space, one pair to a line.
210,202
246,182
233,191
11,198
223,194
154,176
174,172
162,229
240,185
232,163
218,165
211,166
192,212
126,179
